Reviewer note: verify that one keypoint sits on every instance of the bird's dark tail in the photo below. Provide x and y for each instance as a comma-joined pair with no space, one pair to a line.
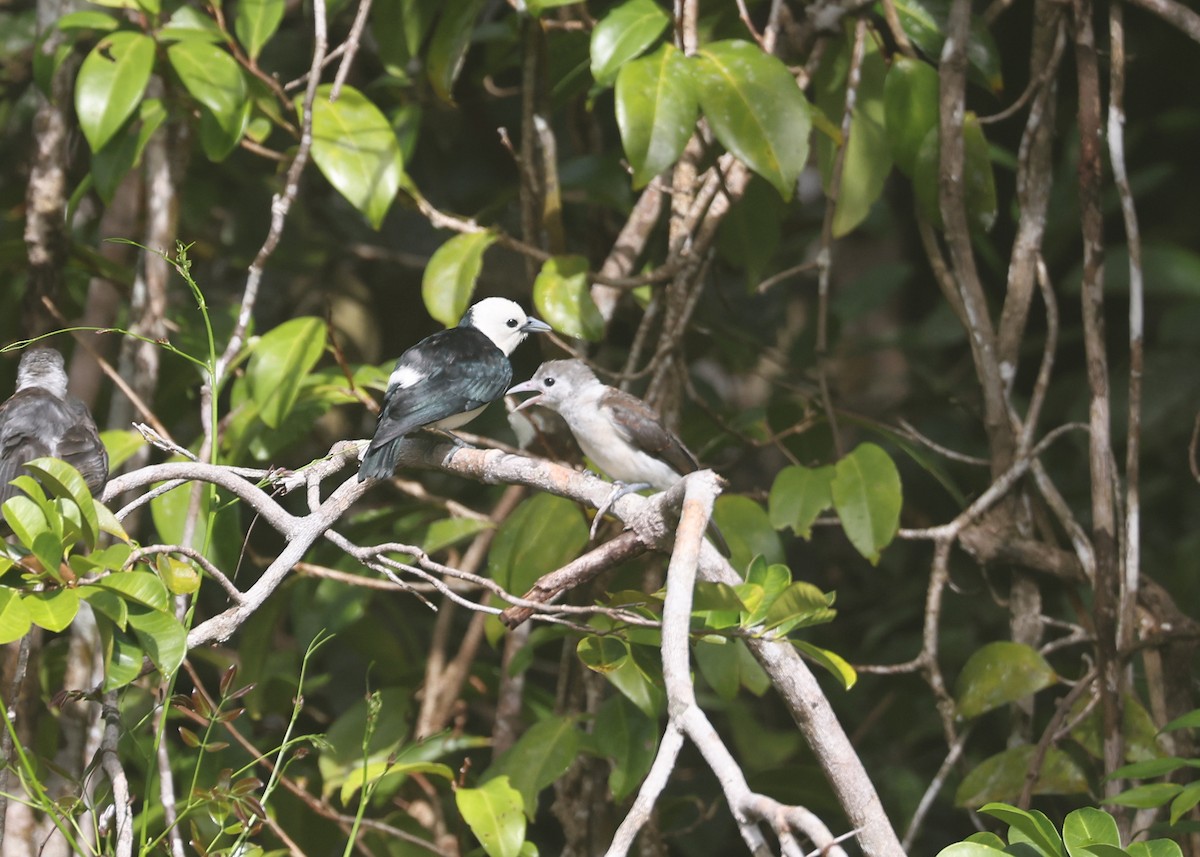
718,539
379,462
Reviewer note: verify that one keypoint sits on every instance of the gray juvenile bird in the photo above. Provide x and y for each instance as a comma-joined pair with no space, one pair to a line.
40,419
446,379
616,430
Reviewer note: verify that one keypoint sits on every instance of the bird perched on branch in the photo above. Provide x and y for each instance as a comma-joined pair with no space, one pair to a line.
41,419
619,432
446,379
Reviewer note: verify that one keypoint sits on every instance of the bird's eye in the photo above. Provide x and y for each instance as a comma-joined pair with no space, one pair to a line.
549,382
512,322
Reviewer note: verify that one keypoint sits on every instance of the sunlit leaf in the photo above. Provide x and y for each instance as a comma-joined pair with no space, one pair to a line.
798,495
214,78
449,279
62,480
14,616
1088,826
54,609
111,82
563,298
798,606
279,363
867,496
539,757
656,111
494,813
835,664
162,636
998,674
623,34
140,587
256,22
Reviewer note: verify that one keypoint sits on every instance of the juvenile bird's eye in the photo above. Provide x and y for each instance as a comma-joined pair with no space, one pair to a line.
512,322
549,382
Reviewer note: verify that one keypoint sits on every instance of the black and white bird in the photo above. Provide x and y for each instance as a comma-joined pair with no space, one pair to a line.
620,433
446,379
41,419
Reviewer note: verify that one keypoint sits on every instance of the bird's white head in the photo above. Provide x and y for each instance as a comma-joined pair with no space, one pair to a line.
42,368
557,383
502,321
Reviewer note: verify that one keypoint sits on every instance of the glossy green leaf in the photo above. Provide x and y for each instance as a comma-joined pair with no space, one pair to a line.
1089,826
1185,801
630,738
867,496
256,22
924,21
614,659
544,533
755,109
121,154
748,530
718,663
122,656
25,518
151,6
1152,768
449,279
979,184
450,531
190,23
998,674
140,587
1031,826
162,637
563,298
656,111
1146,796
539,757
970,849
14,616
1155,848
214,78
400,28
910,99
1191,720
448,45
623,34
767,582
54,609
107,603
834,664
179,575
62,480
111,82
494,813
603,654
798,496
279,363
87,19
799,606
356,150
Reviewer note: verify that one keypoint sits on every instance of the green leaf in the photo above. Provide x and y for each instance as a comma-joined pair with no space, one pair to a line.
450,531
279,363
772,580
628,737
979,184
748,530
750,233
800,605
88,19
755,109
1191,720
356,150
798,496
1000,673
214,79
256,22
493,812
448,45
537,7
25,518
910,101
1089,826
835,664
161,635
111,82
1151,768
656,111
1001,777
400,28
179,575
867,497
1147,796
343,761
544,533
1033,825
563,299
1137,727
114,161
122,656
623,35
140,587
1185,801
539,757
14,616
106,603
63,480
1155,848
614,659
53,610
449,279
970,849
924,22
121,444
718,663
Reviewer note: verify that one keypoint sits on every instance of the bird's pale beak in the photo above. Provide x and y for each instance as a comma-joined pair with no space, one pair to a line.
526,387
534,325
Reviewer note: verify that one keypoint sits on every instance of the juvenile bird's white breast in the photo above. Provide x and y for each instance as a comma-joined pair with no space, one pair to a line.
617,457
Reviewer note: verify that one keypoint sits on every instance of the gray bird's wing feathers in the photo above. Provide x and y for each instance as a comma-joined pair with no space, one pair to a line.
641,426
35,423
461,370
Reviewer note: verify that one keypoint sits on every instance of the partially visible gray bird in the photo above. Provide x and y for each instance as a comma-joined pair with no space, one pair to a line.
41,419
619,432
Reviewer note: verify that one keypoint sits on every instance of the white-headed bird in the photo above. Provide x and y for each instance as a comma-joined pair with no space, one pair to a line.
446,379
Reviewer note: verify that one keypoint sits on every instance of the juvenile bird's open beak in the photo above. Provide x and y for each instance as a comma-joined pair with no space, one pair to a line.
526,387
534,325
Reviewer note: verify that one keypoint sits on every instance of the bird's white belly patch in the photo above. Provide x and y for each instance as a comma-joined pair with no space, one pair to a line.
404,377
457,420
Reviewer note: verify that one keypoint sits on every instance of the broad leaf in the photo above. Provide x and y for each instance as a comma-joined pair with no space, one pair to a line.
755,109
449,43
140,587
214,78
121,154
544,533
656,111
971,849
539,757
562,297
798,496
450,531
279,363
1147,796
111,82
256,22
356,150
835,664
25,518
449,278
493,812
62,480
122,656
924,21
867,496
161,635
614,659
748,531
979,184
14,616
1155,848
910,99
630,738
54,609
1089,826
623,34
798,606
998,674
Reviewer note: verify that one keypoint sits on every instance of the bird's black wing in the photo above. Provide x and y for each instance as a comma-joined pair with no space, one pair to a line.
459,370
642,427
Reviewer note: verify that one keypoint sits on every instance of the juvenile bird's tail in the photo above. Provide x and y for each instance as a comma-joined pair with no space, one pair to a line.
379,462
